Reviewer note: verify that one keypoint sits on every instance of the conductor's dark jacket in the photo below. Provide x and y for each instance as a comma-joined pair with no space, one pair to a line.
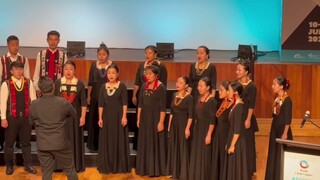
49,115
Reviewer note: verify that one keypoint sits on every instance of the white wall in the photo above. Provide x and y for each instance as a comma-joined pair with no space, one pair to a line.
219,24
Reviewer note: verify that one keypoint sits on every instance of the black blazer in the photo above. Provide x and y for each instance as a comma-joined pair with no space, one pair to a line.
49,115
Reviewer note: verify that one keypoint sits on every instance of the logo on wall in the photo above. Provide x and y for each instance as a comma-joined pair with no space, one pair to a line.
304,164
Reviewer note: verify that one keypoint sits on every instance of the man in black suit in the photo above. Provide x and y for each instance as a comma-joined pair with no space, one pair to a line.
49,114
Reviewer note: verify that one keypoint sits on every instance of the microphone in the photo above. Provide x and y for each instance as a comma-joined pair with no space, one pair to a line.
305,118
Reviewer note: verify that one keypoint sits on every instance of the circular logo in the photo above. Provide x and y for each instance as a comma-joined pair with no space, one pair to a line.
304,164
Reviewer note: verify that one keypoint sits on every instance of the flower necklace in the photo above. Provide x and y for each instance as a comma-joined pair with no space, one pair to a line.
16,87
103,71
111,90
73,89
178,98
278,103
200,71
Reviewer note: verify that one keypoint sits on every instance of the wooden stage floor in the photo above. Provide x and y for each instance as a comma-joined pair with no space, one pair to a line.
92,174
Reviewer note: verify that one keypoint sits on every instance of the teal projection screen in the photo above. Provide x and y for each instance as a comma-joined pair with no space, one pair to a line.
219,24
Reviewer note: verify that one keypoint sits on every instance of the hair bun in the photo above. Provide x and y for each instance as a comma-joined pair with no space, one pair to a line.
103,44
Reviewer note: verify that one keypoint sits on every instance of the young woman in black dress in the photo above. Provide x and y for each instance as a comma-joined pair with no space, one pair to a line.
151,155
97,77
202,68
113,153
179,131
73,90
204,120
221,133
280,127
150,54
235,166
249,99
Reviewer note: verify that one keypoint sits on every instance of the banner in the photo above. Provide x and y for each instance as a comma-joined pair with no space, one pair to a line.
301,31
299,166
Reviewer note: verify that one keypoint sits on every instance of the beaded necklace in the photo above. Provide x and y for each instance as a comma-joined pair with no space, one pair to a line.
200,71
278,103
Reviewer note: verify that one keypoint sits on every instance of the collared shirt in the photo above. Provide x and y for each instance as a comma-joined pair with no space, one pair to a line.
36,75
4,95
26,70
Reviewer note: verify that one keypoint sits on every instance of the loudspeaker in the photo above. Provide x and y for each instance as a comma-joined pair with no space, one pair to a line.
76,48
165,50
247,52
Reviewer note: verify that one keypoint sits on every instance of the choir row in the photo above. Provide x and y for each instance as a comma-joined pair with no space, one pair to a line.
204,140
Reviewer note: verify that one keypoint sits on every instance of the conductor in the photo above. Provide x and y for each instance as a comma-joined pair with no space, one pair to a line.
49,115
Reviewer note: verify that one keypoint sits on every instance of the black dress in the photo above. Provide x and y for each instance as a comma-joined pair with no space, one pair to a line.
97,77
235,166
249,99
219,145
139,80
74,131
113,153
277,127
200,158
178,150
194,78
151,155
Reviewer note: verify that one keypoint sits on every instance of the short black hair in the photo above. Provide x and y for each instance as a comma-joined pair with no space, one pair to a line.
152,48
154,68
16,64
246,64
185,79
70,63
206,49
12,38
53,33
207,82
45,84
113,66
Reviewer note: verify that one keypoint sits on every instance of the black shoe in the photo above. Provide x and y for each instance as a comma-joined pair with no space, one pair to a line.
1,147
9,170
58,170
30,169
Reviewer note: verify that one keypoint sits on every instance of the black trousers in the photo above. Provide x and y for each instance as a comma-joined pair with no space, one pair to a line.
1,136
48,161
18,127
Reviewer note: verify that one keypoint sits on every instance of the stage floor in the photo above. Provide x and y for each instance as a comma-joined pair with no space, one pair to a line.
127,54
92,173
